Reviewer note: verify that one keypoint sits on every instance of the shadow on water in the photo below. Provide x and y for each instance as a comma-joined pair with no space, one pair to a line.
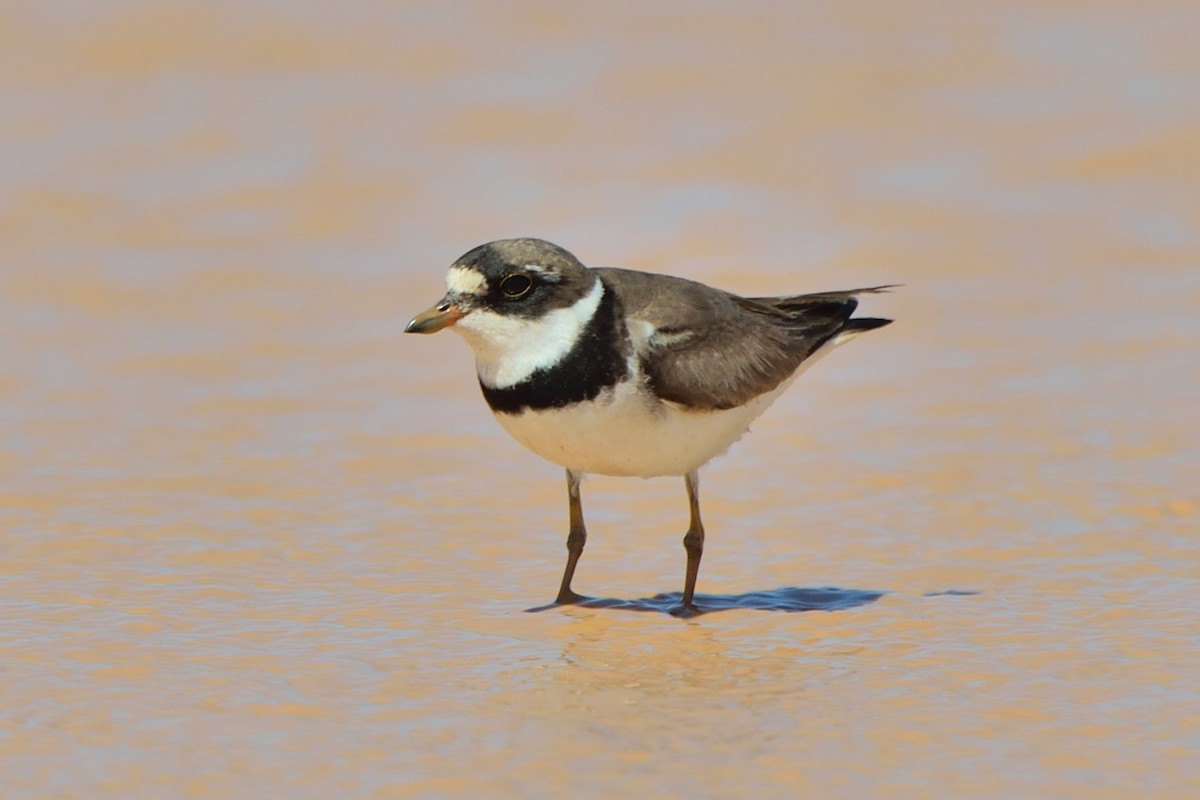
789,598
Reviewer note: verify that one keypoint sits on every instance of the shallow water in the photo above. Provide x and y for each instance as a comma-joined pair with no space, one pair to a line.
259,543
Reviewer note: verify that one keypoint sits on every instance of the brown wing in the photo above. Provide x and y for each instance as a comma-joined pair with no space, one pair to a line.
708,349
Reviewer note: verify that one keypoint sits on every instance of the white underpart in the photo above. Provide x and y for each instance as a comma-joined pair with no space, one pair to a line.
510,349
462,280
628,433
841,338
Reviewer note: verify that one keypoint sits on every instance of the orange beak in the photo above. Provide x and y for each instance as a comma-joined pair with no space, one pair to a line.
443,315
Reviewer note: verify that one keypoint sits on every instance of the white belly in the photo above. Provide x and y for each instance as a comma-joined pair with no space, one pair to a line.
623,435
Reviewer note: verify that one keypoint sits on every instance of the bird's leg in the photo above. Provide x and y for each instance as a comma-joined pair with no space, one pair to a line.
693,540
576,537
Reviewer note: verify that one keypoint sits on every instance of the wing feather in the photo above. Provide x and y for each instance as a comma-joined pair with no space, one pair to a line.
708,349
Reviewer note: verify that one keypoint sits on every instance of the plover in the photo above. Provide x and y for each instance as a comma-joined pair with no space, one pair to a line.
618,372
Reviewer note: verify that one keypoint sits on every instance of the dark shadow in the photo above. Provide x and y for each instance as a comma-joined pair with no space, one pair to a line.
790,598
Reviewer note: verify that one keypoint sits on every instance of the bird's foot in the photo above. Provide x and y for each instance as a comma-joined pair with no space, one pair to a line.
686,610
566,597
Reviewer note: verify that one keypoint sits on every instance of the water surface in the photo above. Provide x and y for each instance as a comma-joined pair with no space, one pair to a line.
256,542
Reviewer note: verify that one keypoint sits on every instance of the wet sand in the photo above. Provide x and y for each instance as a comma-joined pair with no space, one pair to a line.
259,543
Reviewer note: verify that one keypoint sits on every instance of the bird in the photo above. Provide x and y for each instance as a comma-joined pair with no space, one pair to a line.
620,372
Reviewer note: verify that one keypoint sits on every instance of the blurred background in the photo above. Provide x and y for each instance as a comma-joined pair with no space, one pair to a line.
255,540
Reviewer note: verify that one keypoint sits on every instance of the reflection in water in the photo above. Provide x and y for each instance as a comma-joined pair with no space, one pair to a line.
788,598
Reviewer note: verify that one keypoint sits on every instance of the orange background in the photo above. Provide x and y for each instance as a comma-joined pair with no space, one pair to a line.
258,543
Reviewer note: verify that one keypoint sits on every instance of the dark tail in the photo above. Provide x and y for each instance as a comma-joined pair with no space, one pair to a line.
862,324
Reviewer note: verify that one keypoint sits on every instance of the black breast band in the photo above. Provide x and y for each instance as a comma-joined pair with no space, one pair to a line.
596,362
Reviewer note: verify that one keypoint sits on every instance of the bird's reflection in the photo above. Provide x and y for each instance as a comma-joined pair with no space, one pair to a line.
788,598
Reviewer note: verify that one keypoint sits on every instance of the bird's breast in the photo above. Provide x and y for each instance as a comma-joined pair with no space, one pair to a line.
626,432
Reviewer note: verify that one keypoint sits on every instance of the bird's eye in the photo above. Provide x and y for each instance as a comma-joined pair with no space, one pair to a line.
514,286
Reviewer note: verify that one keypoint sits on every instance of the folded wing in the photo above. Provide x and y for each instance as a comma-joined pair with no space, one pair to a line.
707,349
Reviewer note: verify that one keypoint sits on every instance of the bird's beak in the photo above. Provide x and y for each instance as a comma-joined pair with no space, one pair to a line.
443,315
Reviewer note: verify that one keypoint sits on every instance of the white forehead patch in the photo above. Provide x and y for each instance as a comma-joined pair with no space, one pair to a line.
462,280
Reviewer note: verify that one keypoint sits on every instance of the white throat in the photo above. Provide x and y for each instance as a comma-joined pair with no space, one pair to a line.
510,349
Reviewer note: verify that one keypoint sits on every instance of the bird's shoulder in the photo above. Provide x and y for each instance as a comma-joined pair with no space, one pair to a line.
702,347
